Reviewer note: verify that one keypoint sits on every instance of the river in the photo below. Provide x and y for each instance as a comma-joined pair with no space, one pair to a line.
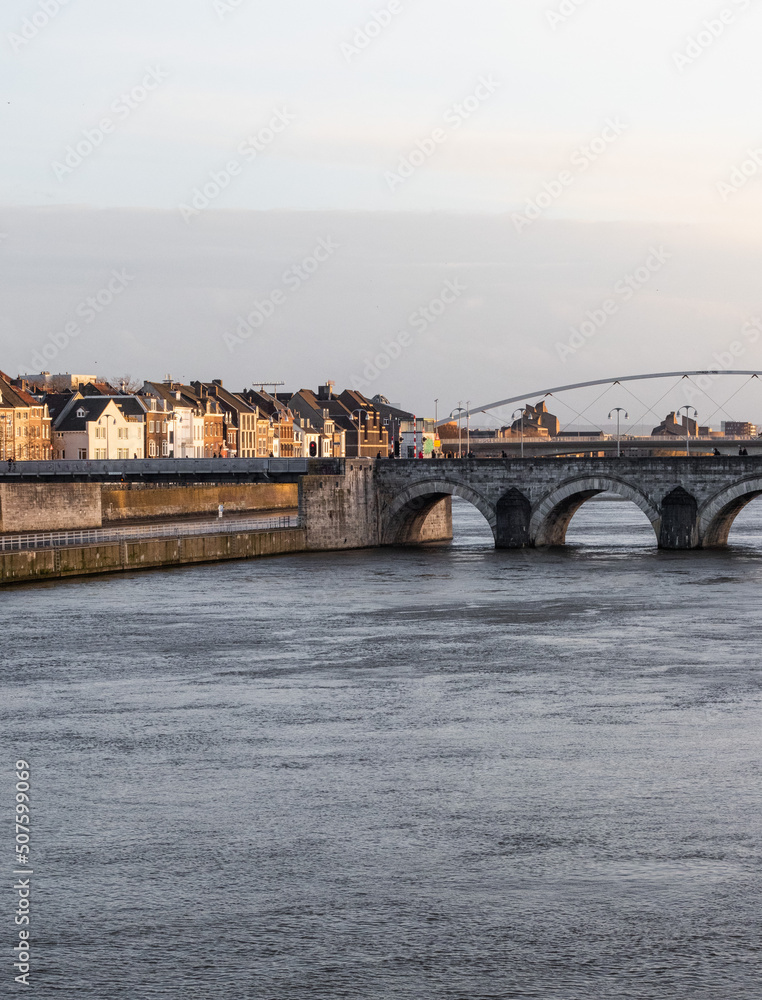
445,773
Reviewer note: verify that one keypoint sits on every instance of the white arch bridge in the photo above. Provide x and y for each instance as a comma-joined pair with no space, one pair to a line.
690,502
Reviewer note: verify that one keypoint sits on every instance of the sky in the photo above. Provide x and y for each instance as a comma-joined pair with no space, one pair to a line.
428,199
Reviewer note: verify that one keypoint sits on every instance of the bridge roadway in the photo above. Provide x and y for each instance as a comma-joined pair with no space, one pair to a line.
163,470
690,502
553,447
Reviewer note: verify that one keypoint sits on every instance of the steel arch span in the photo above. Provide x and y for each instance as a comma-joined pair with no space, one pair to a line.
600,381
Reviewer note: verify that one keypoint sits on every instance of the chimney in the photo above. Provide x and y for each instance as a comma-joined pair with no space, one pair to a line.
325,391
217,381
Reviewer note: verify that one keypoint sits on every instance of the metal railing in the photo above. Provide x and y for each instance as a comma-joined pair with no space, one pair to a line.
94,536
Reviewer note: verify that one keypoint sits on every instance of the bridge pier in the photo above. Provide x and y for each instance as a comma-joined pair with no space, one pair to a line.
679,521
513,513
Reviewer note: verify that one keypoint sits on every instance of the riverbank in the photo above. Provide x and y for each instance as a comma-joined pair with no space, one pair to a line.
149,553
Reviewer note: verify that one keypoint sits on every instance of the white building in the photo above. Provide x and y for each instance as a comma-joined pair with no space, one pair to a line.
100,427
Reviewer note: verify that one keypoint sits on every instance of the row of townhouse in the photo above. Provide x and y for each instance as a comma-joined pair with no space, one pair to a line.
167,419
25,424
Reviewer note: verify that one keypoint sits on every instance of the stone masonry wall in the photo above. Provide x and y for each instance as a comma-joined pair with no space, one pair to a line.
340,512
49,506
131,501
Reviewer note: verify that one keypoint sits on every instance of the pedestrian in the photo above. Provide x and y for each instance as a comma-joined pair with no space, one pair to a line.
220,510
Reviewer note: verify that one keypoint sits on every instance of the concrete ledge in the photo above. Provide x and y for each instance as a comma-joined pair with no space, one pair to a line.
118,557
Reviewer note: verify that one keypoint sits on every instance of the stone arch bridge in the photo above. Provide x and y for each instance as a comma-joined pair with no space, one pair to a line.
690,502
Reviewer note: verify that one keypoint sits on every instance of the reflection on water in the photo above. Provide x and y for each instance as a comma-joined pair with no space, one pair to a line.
445,772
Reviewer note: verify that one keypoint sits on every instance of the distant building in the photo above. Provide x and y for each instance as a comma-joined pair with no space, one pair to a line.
738,429
535,420
685,427
58,382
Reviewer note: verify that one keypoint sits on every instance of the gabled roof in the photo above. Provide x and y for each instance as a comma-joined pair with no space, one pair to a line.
167,392
57,401
337,411
16,397
130,406
93,406
270,405
228,400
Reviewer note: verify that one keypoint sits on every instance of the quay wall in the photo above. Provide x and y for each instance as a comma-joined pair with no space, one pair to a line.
127,501
74,506
149,553
50,506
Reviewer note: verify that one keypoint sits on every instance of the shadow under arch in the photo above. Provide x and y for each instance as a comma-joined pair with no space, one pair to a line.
717,515
552,515
405,518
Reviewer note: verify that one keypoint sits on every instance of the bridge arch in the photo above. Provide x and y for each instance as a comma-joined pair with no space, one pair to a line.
552,514
717,515
406,515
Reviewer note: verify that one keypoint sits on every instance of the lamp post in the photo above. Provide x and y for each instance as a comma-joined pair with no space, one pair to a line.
619,410
468,427
687,427
359,411
521,426
458,409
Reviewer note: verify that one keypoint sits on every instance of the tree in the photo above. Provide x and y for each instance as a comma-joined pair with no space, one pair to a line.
128,383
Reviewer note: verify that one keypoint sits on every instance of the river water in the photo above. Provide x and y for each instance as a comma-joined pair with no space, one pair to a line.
420,774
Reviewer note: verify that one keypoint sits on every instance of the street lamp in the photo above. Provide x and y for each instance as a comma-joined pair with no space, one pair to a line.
619,410
687,427
358,412
468,427
521,415
458,410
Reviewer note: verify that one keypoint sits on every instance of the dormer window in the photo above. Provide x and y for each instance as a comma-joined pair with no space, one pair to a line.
82,412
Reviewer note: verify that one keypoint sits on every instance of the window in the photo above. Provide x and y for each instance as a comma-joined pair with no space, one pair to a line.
122,452
100,453
81,412
164,448
81,454
151,425
153,450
